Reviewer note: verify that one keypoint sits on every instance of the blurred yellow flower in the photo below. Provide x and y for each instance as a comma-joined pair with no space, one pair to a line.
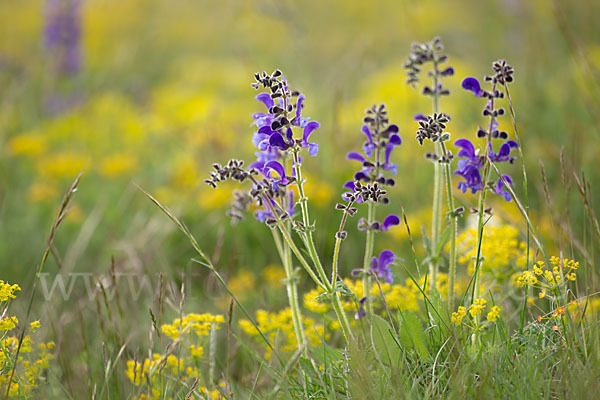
118,164
27,145
40,192
61,165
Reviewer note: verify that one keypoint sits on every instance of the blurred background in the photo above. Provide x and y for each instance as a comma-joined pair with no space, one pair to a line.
154,92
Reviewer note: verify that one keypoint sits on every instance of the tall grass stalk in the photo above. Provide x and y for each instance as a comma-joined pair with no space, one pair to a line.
60,216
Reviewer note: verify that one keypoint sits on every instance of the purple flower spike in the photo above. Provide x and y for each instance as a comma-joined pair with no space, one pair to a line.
471,84
390,221
361,309
381,266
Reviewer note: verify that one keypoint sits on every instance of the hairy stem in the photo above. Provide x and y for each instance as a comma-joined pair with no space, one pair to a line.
453,230
436,210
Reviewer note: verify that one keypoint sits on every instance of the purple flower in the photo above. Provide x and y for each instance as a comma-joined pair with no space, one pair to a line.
470,165
390,221
472,178
503,154
471,84
381,266
498,189
361,309
369,146
447,72
62,34
420,117
313,148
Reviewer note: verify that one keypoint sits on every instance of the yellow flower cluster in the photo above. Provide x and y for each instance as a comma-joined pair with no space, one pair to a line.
458,315
152,368
477,307
501,248
34,357
7,291
493,314
200,324
548,278
475,310
397,296
188,332
279,329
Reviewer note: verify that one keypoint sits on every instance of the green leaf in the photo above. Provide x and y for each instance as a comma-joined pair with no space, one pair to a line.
412,335
382,336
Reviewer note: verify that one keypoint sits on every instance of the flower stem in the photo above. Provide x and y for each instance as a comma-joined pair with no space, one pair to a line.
291,284
453,230
369,245
436,216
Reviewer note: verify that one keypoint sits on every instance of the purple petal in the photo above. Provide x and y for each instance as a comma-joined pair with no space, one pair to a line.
266,99
396,140
313,149
420,117
361,176
386,258
393,128
365,129
472,85
355,156
349,185
361,309
277,167
298,119
390,221
467,148
276,140
448,71
310,127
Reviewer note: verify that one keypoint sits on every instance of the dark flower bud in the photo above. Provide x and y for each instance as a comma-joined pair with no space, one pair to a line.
341,235
340,206
481,133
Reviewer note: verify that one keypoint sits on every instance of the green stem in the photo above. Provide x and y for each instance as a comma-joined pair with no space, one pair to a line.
310,244
292,290
436,216
453,231
369,245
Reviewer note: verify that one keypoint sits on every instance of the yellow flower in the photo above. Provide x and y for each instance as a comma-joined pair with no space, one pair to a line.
477,307
196,351
458,315
7,290
493,314
27,145
8,323
34,326
118,164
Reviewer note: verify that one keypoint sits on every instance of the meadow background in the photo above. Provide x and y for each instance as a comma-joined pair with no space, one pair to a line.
163,91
